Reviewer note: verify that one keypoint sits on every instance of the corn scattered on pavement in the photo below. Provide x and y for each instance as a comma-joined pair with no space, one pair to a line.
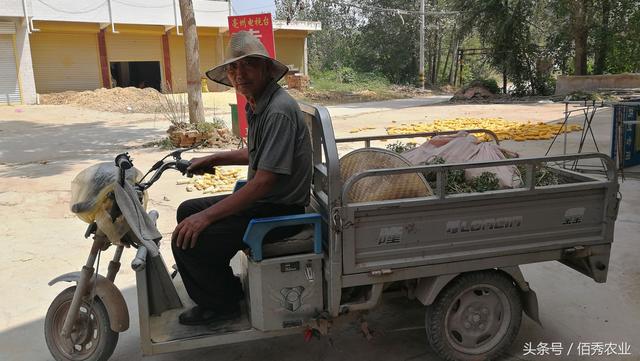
504,129
222,181
358,130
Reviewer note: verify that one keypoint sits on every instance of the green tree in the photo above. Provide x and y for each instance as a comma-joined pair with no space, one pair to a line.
594,36
337,43
528,39
558,40
505,27
388,42
581,13
623,54
603,38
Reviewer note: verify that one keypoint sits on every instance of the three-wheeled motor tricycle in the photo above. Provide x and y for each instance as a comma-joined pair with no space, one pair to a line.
457,254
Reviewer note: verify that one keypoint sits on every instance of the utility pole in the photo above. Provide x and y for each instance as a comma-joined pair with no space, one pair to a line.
421,69
435,58
192,55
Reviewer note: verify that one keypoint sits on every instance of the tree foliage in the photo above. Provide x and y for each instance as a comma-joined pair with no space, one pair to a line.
359,37
623,37
527,40
506,29
389,43
612,32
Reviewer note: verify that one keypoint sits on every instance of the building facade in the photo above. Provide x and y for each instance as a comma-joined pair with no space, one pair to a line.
57,45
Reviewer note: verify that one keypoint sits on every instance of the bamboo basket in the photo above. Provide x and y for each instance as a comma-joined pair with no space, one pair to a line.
379,188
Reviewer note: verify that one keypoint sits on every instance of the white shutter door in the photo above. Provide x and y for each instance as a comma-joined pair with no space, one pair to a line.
9,87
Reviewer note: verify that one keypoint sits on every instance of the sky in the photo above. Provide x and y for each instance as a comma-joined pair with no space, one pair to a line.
244,7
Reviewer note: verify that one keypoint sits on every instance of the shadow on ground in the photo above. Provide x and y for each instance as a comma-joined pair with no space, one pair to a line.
397,328
30,149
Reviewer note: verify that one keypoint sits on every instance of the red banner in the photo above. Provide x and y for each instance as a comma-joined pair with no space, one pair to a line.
259,25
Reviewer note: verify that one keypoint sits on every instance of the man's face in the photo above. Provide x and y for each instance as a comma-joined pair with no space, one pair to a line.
249,75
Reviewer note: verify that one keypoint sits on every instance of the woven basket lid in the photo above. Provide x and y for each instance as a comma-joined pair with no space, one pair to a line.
379,188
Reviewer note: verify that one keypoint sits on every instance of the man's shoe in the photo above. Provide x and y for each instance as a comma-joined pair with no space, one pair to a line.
204,316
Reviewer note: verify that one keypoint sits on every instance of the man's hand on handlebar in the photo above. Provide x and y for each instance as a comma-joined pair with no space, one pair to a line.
201,165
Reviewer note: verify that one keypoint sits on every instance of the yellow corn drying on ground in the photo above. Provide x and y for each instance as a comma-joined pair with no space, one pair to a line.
504,129
358,130
222,181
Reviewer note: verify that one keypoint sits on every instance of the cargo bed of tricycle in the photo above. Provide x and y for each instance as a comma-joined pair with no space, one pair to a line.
411,238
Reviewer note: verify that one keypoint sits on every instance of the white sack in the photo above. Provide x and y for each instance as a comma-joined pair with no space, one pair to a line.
507,175
463,148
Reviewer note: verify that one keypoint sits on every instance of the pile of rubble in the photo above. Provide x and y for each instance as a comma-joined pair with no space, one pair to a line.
473,92
216,138
123,100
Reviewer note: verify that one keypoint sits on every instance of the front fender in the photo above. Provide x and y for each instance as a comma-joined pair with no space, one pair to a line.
110,296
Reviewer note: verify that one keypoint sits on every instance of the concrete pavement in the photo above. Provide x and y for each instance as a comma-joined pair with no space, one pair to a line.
345,110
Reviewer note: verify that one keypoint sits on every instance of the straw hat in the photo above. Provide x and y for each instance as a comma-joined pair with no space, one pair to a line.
244,44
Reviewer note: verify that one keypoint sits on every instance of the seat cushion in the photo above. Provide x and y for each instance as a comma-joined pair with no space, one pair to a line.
301,242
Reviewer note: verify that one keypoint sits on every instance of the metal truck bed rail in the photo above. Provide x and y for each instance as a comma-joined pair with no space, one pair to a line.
368,138
441,169
390,239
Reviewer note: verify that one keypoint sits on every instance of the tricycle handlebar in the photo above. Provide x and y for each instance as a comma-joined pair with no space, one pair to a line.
123,161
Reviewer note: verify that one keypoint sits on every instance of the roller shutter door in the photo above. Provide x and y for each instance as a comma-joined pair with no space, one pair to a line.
134,47
9,86
65,62
178,63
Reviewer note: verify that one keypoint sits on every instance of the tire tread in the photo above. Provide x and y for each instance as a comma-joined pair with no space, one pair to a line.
436,313
110,337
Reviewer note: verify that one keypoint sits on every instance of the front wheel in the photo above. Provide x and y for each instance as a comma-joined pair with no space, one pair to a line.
91,338
476,317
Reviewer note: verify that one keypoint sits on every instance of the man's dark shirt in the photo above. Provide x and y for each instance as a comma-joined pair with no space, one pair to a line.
278,141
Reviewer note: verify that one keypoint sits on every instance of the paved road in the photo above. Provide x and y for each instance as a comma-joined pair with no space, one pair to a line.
48,133
344,110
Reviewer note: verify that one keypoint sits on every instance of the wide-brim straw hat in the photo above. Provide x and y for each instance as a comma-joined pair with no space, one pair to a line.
243,44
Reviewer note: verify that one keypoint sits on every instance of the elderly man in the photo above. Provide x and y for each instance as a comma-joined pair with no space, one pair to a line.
209,231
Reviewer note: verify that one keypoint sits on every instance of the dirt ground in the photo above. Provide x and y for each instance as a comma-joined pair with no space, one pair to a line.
43,147
149,100
334,97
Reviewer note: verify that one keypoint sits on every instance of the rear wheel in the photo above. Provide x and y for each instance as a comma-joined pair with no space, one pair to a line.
476,317
91,338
